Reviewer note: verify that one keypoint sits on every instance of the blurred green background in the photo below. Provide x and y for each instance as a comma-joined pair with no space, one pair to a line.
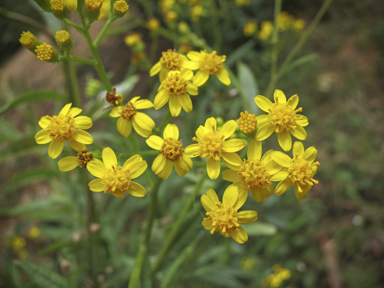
334,238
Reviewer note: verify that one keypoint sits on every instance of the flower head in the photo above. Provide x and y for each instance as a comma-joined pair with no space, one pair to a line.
58,6
266,30
121,7
213,145
45,52
209,64
28,40
255,173
298,171
282,119
153,24
132,39
170,16
62,37
93,5
115,179
82,159
175,88
170,61
250,28
129,116
247,122
65,126
172,152
113,98
223,216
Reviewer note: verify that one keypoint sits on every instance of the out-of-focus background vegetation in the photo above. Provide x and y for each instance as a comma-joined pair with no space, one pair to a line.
334,238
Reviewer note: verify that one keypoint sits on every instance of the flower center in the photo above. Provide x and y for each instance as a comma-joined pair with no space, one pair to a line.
93,5
210,145
300,173
175,84
224,219
62,37
254,174
83,157
58,5
44,52
171,60
128,111
27,39
172,149
116,180
211,62
283,117
247,122
61,127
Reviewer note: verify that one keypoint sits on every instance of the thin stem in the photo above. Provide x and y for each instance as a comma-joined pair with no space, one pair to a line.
74,25
98,146
166,120
77,59
136,272
74,83
102,32
171,237
216,27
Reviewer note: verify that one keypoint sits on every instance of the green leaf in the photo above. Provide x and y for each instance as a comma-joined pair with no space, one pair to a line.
301,61
260,229
240,52
8,131
18,147
42,277
55,246
35,96
249,86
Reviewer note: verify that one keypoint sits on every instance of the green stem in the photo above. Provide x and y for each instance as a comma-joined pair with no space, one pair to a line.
147,8
154,44
136,272
77,59
298,46
171,237
102,32
216,27
74,25
74,84
98,146
165,122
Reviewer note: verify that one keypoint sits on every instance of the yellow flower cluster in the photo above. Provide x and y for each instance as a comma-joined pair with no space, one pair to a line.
276,279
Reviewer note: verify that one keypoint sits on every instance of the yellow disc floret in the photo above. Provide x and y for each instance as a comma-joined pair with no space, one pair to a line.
44,52
210,145
58,6
224,219
121,6
300,173
116,181
211,63
83,157
93,5
61,127
128,111
175,84
172,149
247,122
254,174
62,37
27,39
283,117
171,60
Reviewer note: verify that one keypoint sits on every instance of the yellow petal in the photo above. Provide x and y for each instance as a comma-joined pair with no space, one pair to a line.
163,74
186,163
263,102
200,78
261,120
213,168
207,224
171,131
281,159
77,146
285,140
293,101
174,105
310,154
232,160
67,163
187,74
71,5
194,56
124,127
109,158
299,132
230,175
264,132
272,167
132,161
155,69
192,150
228,129
164,174
74,111
55,149
243,195
158,164
155,142
303,122
213,196
207,202
179,169
233,145
43,137
192,89
116,112
65,109
185,102
143,104
138,169
240,236
96,186
190,65
230,195
254,150
96,168
161,98
143,132
135,189
259,194
298,148
210,124
223,76
247,216
144,121
44,122
302,195
83,122
83,137
200,132
279,176
283,187
278,94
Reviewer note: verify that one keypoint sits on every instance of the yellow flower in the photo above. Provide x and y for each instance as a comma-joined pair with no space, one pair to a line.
171,61
223,216
71,162
242,2
129,116
93,5
266,30
153,24
274,280
121,7
196,12
34,232
45,52
299,24
59,6
172,152
115,179
166,5
170,16
284,21
71,5
247,122
105,10
254,174
113,98
62,37
213,145
132,39
65,126
298,171
209,64
29,41
250,28
175,88
282,119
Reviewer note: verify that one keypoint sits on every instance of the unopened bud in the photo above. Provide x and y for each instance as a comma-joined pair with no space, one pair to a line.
45,52
64,40
121,7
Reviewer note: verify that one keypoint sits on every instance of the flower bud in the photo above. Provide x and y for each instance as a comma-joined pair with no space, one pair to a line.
121,7
45,52
64,40
29,41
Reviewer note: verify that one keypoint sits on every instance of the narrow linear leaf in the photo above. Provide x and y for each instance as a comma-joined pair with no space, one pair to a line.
248,85
301,61
260,229
18,147
240,52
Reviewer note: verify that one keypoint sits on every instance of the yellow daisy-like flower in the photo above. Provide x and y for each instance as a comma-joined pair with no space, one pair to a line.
115,179
223,216
65,126
255,174
172,152
172,61
298,171
71,162
209,64
213,145
282,119
129,116
175,88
